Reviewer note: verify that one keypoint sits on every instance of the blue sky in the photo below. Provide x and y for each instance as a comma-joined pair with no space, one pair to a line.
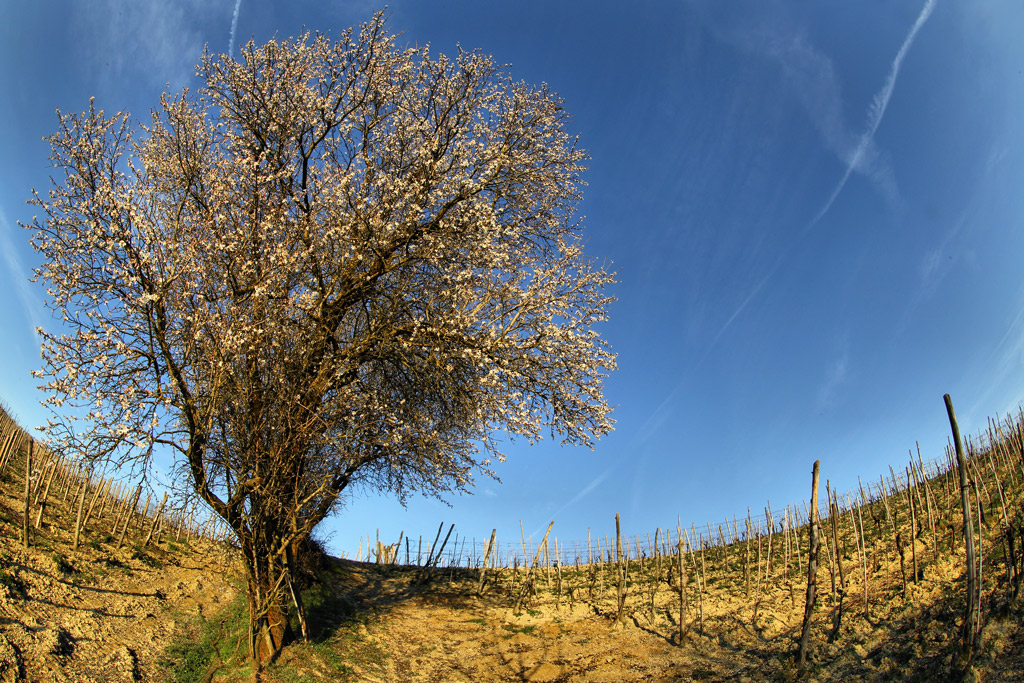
814,209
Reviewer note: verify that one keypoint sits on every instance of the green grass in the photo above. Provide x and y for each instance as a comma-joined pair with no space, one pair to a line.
146,558
63,566
339,646
201,642
525,630
13,583
340,650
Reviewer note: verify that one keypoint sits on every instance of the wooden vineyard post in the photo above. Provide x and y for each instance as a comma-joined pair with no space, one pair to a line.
746,558
681,559
812,569
620,592
28,491
972,613
483,568
914,521
433,552
838,618
156,520
41,499
96,494
862,547
558,575
78,517
528,581
1009,550
132,509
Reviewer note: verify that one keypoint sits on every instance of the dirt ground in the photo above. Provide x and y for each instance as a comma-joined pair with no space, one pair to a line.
442,632
108,614
100,613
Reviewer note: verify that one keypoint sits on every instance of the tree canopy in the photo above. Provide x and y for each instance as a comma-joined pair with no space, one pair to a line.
336,262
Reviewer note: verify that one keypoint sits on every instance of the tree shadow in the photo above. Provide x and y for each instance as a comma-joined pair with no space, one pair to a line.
346,593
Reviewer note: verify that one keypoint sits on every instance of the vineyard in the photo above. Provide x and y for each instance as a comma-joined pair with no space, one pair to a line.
94,578
904,586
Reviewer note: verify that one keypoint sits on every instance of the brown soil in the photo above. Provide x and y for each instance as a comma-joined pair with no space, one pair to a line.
442,632
99,614
109,614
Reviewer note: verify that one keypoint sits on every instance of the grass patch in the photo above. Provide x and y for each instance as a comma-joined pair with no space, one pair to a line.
202,643
146,558
63,566
344,655
340,647
13,584
525,630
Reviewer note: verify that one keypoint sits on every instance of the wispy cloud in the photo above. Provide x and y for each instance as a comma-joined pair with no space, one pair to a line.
739,309
1005,360
234,27
814,80
146,41
18,275
580,495
947,252
835,376
864,152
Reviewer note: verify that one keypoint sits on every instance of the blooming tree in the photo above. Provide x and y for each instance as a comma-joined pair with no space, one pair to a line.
335,263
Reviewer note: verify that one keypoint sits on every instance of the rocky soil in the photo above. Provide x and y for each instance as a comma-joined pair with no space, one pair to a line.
100,613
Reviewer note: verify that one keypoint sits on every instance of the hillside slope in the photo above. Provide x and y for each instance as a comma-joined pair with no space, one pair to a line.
99,613
891,582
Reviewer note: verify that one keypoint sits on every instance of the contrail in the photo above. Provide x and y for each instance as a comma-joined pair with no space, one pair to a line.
877,110
875,114
234,26
594,483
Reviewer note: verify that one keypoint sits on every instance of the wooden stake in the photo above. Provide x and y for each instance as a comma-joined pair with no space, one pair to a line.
812,570
682,582
156,519
528,582
483,569
128,515
78,518
972,613
28,490
620,592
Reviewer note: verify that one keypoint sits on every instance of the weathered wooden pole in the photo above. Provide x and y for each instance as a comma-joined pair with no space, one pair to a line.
483,568
681,561
841,591
41,499
156,520
621,571
528,581
972,613
812,569
132,509
28,491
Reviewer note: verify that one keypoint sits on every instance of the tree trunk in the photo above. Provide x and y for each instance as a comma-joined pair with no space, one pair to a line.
268,580
268,617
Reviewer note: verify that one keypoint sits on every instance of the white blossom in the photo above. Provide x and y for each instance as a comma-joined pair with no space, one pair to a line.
335,263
